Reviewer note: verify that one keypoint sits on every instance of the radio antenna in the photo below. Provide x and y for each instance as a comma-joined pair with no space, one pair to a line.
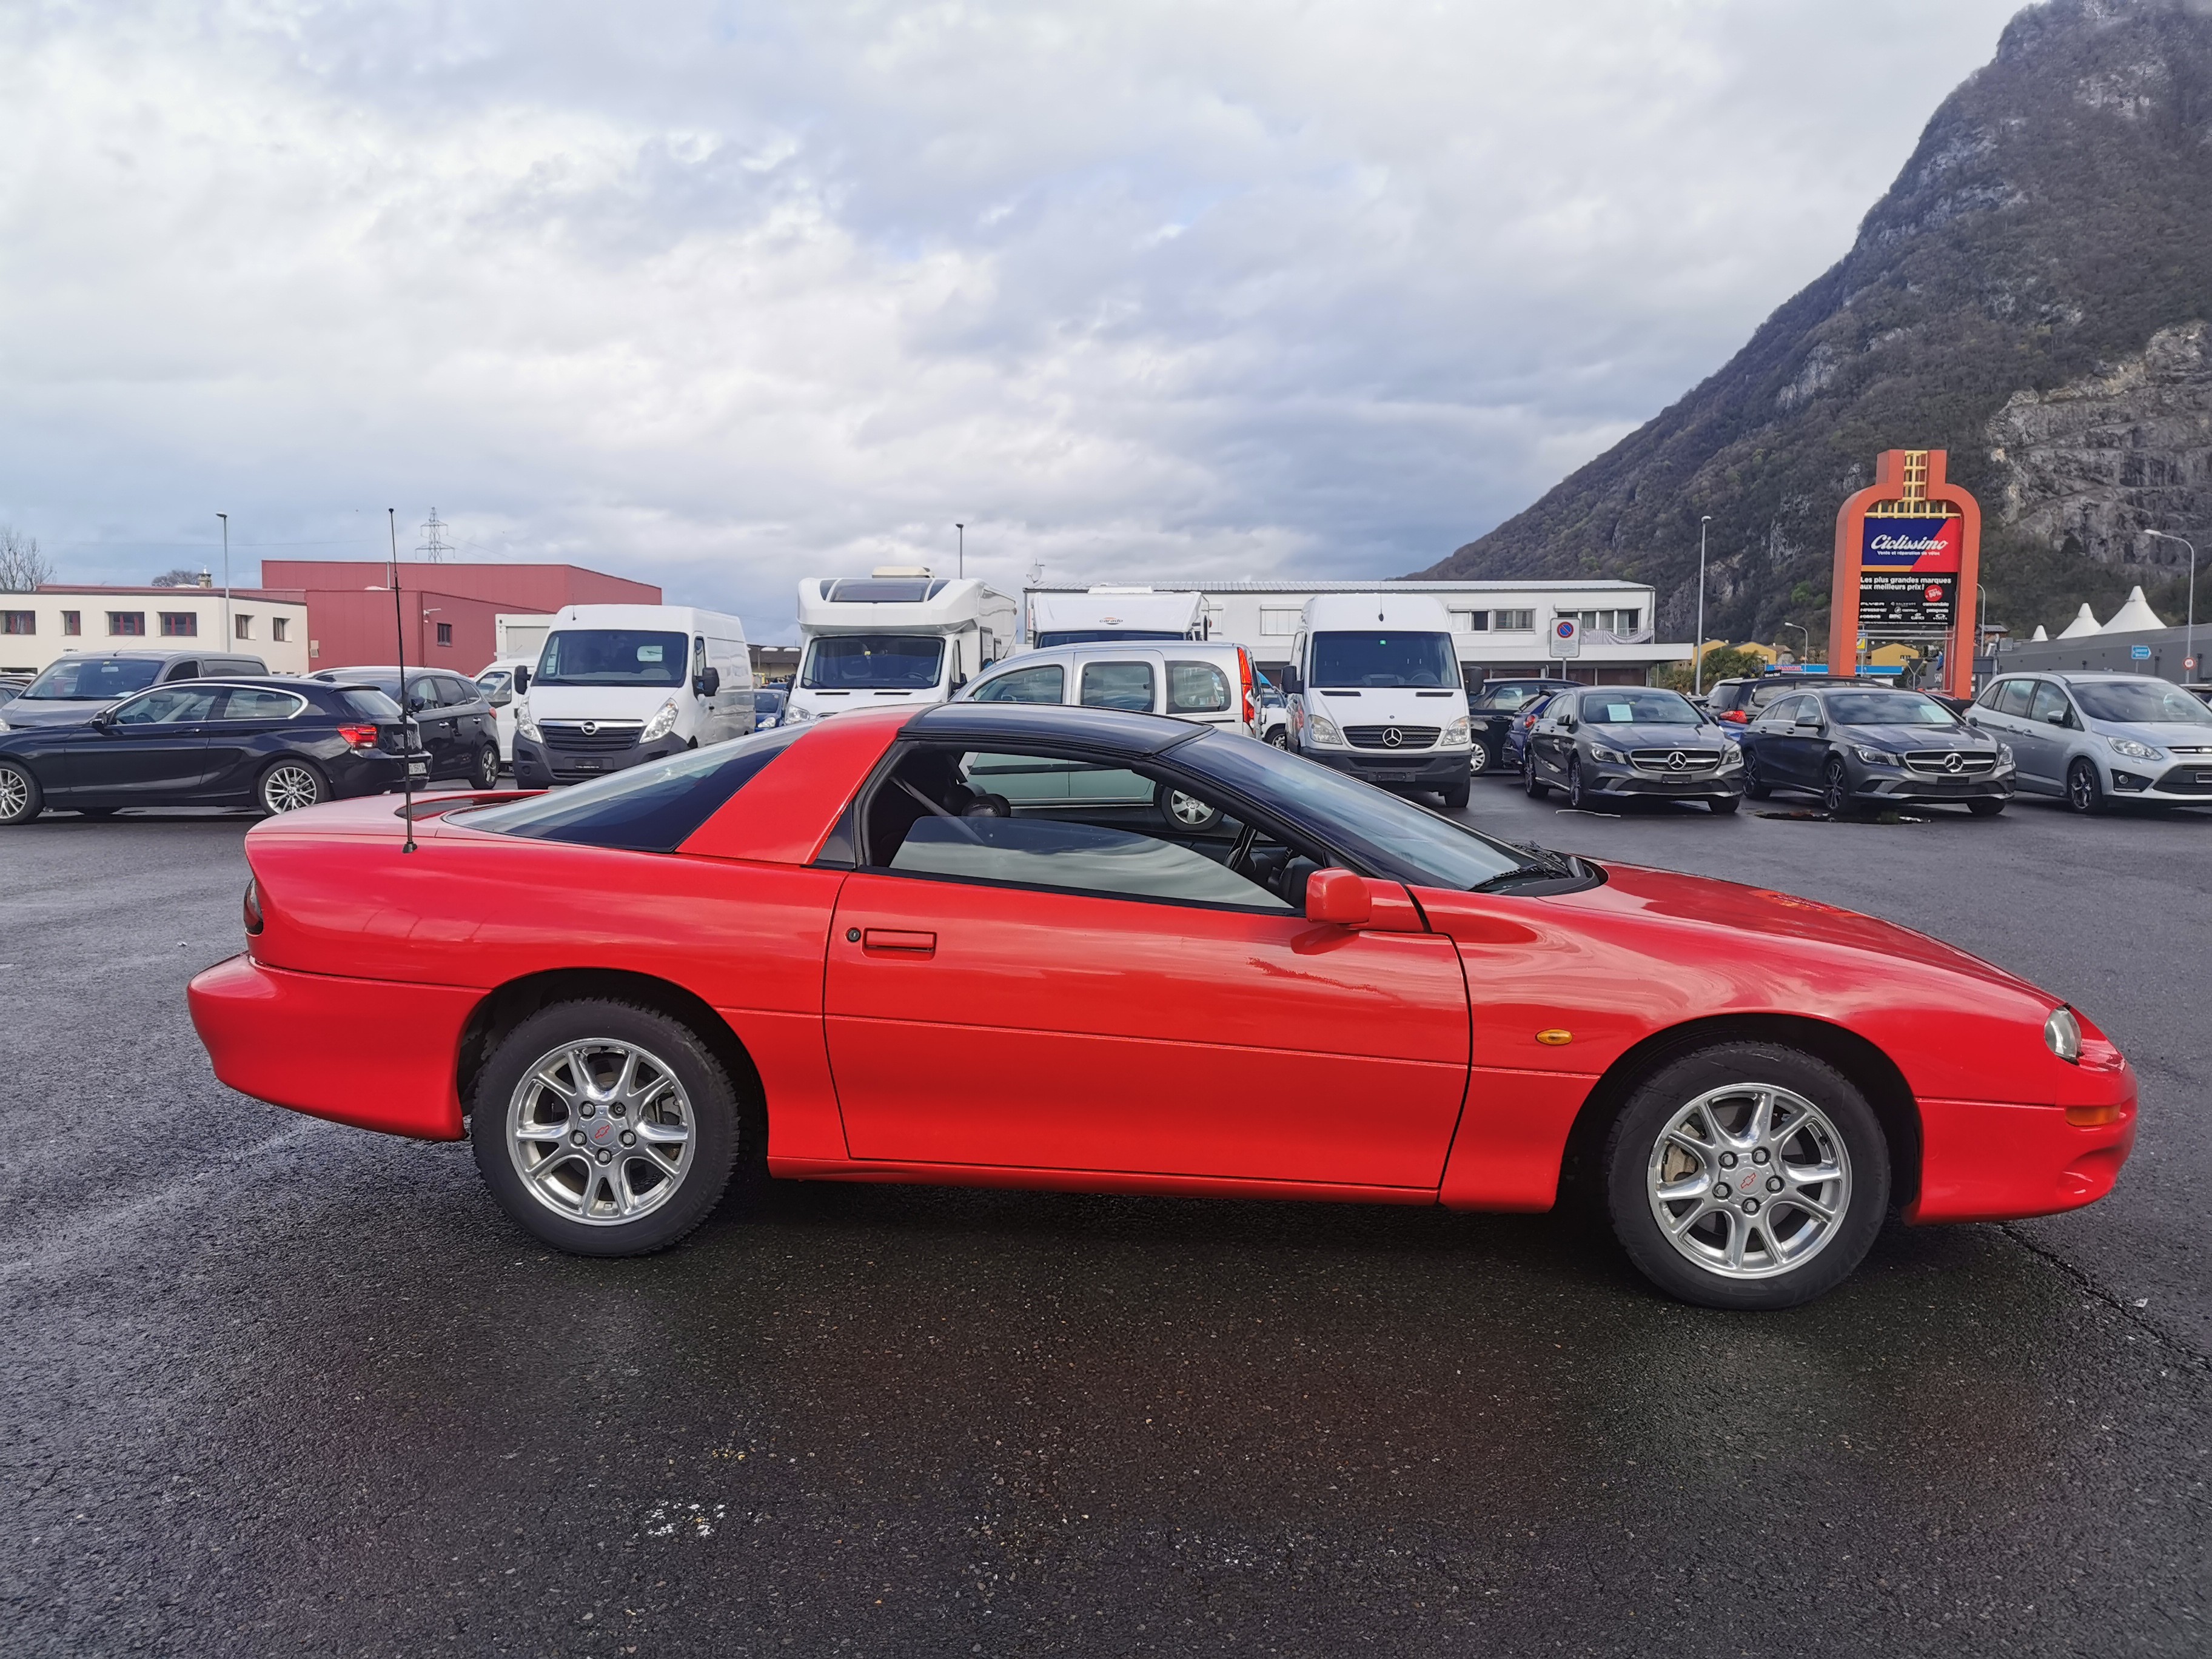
399,644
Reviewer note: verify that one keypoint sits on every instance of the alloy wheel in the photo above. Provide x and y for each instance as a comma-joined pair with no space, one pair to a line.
2083,793
600,1130
1190,811
488,767
288,788
1749,1181
14,794
1836,798
1576,798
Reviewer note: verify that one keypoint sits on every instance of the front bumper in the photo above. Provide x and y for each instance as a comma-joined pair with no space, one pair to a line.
1422,768
1984,1161
540,766
1603,778
2183,784
1919,789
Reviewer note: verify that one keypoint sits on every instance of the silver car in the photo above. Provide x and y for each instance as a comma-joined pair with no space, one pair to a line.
2094,738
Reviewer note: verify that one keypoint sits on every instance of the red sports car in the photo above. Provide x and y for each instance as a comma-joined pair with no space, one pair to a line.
1037,946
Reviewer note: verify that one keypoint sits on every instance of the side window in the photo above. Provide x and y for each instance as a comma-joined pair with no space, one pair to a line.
167,706
1197,688
2050,706
1991,692
258,703
1045,684
947,814
2012,697
1783,711
1124,685
456,690
182,670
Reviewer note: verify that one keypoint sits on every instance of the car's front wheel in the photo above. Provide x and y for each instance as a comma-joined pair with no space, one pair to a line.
2085,791
1578,796
1755,786
1535,790
21,798
1279,736
1458,792
1836,790
604,1128
1986,809
290,785
1747,1176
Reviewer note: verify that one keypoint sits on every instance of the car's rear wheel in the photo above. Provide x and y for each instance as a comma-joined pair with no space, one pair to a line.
604,1128
1755,786
1836,789
1190,812
1747,1176
2085,790
1483,758
21,798
1985,809
1279,736
290,785
487,767
1536,790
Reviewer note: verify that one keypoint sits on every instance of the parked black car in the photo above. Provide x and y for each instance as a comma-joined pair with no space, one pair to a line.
72,688
1517,728
456,725
1492,710
1855,747
1624,743
1740,701
277,745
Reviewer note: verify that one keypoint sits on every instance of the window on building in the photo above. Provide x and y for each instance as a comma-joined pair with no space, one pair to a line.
1610,622
19,622
126,622
1470,621
445,633
241,627
278,626
72,621
180,624
1513,621
1278,622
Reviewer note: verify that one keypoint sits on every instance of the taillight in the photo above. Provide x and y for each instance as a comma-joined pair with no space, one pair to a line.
1244,670
1735,717
253,922
361,736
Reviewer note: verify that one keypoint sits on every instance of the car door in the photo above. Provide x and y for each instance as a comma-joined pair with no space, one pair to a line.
151,750
2034,753
1037,993
435,721
472,719
1766,739
248,731
1802,740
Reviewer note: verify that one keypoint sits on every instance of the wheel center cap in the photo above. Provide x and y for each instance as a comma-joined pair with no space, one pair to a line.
601,1134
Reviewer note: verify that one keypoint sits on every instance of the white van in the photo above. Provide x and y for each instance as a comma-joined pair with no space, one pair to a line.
1375,690
899,634
615,684
496,681
1109,615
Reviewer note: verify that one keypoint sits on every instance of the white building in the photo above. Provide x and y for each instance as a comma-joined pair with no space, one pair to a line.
60,619
1500,629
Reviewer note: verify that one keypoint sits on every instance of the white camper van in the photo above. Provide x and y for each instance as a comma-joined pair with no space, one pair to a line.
1108,616
615,684
1375,690
897,635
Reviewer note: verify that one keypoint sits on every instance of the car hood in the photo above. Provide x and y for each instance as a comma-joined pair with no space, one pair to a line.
1918,737
1646,735
53,711
2160,734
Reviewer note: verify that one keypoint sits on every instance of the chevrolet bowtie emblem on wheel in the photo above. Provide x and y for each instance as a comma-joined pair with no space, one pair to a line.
1392,737
588,727
1952,762
1678,760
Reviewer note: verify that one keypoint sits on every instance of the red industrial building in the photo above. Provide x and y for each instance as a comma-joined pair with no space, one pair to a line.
446,609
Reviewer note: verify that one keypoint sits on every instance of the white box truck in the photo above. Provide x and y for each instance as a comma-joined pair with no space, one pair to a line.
899,634
1375,690
1106,615
615,684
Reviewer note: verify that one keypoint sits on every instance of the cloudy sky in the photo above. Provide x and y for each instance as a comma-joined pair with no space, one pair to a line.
723,294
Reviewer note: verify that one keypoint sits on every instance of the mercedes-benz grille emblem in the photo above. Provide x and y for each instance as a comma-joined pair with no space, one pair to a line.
1677,761
588,727
1952,762
1392,737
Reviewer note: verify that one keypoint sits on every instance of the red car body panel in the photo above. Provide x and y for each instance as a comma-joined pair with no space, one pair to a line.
910,1030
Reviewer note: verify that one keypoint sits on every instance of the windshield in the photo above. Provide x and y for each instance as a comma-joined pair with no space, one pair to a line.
873,662
1103,635
1631,707
2143,702
104,678
652,808
1887,708
1344,660
611,656
1406,841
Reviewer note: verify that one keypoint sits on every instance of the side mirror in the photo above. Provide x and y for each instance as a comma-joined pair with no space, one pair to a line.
2059,719
1809,720
959,680
522,681
415,704
710,683
1339,897
105,717
1293,681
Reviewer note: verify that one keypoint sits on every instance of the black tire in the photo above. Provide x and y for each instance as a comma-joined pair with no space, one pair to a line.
1457,795
1483,758
1633,1145
1724,805
1836,789
290,784
486,775
1577,797
1985,809
1536,790
21,798
2085,791
1279,736
1753,785
1188,812
716,1128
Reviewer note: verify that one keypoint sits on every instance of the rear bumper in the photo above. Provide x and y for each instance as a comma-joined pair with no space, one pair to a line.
376,773
371,1052
1424,769
1983,1161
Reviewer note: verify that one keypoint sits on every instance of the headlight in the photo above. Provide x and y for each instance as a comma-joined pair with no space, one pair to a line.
796,712
2135,751
1321,730
2005,758
2062,1035
1875,757
1599,752
527,727
1458,735
662,723
1731,755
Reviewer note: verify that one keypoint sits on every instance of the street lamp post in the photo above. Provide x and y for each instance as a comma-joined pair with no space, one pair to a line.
1806,649
1697,676
225,517
2189,634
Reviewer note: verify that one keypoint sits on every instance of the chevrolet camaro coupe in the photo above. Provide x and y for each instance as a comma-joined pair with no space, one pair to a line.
842,950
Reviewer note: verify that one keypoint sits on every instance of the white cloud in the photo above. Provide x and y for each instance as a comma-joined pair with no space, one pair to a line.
725,294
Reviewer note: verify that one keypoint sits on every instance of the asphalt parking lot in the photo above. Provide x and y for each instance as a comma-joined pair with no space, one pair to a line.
278,1386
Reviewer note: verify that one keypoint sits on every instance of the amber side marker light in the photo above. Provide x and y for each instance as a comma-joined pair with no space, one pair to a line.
1555,1038
2093,1117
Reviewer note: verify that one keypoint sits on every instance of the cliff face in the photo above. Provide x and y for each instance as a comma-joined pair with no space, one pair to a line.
2030,294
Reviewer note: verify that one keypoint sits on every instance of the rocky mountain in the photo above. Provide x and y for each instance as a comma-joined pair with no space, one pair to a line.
2032,295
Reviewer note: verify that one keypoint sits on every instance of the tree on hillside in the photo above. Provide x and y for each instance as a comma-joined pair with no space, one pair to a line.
1723,662
22,567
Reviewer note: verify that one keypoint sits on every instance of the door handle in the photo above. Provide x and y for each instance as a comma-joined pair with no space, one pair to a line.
898,941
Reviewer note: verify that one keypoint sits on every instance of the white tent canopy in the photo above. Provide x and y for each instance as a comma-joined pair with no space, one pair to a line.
2039,635
2083,625
2133,617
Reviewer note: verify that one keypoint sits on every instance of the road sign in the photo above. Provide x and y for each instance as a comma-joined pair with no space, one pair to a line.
1567,637
2189,665
2140,652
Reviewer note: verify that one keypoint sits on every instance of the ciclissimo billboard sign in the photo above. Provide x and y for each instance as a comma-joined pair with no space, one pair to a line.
1909,573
